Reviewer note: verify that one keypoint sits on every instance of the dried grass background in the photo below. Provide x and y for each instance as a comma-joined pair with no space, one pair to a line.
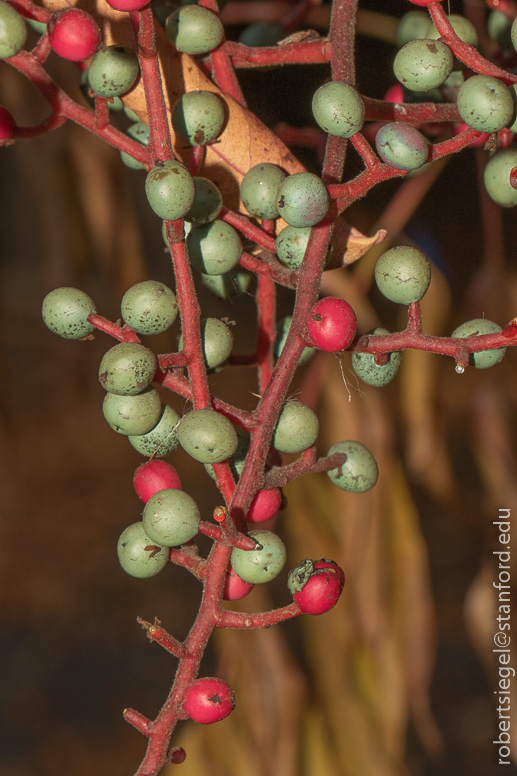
398,679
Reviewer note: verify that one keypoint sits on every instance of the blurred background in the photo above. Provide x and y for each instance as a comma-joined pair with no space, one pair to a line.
398,679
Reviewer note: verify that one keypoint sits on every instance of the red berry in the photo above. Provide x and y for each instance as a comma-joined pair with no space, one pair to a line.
235,588
316,585
208,700
513,177
332,324
394,94
128,5
421,2
460,126
7,125
265,504
73,34
153,476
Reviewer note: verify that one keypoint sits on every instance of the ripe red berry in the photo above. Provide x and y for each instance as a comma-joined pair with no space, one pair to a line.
235,588
316,585
265,504
332,324
128,5
73,34
7,125
153,476
208,700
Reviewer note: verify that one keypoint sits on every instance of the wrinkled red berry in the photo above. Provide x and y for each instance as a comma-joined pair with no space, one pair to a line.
316,585
153,476
235,588
208,700
332,324
265,504
73,34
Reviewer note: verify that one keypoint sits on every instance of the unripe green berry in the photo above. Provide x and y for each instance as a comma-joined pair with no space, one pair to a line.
297,428
282,330
359,472
130,415
485,104
230,284
423,64
207,436
302,199
113,71
214,248
127,369
338,109
238,459
496,177
171,517
291,245
149,307
170,190
499,28
261,34
401,146
403,274
264,563
198,117
207,202
160,440
194,30
513,34
13,32
258,190
140,132
65,312
413,25
138,555
216,341
483,359
464,29
369,371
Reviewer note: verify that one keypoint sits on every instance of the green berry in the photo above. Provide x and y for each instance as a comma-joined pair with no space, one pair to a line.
261,34
140,132
198,117
238,459
483,359
258,190
485,104
207,436
207,202
194,30
359,472
302,199
127,369
513,34
297,428
130,415
263,564
65,312
291,245
338,109
282,330
170,190
113,71
229,285
149,307
496,177
216,340
214,248
39,27
160,440
499,28
403,274
513,91
423,64
13,32
138,555
464,29
401,146
369,371
412,25
171,517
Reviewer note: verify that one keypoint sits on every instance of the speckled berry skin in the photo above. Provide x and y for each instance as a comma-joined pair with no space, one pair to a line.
359,473
153,476
264,506
258,190
297,428
483,359
198,117
316,585
485,104
207,202
332,324
131,415
161,440
13,32
235,588
423,64
302,199
127,369
140,132
215,248
113,71
369,371
262,564
496,177
291,245
170,190
403,274
73,34
208,700
216,341
338,109
207,436
236,462
513,34
171,517
194,30
149,307
401,146
65,312
7,125
138,555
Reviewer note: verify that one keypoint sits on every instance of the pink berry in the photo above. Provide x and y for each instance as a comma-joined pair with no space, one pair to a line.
332,324
73,34
208,700
235,588
153,476
460,126
7,125
265,504
421,2
316,585
394,94
128,5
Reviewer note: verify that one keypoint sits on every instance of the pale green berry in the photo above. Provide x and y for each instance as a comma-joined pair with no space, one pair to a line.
338,109
214,248
113,71
297,428
138,555
496,177
13,32
140,132
149,307
130,415
207,202
483,359
262,564
291,245
127,369
160,440
170,190
423,64
485,104
194,30
403,274
413,25
198,117
238,459
365,366
65,311
216,341
228,285
401,146
302,199
207,436
171,517
464,29
258,190
359,473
